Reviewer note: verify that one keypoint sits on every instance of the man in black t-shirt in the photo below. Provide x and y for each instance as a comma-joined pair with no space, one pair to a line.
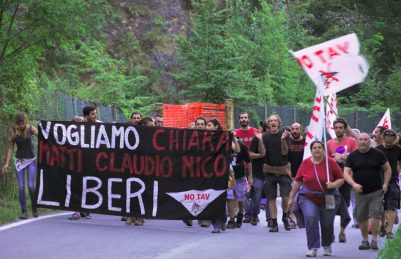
392,197
296,148
295,156
364,172
257,153
277,170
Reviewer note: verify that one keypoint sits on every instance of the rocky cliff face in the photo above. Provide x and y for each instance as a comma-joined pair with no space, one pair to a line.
153,25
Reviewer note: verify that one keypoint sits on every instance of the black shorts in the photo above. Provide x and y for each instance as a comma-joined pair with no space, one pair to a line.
271,182
392,197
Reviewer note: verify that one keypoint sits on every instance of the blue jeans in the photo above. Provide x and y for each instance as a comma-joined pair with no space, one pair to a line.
253,209
314,215
31,169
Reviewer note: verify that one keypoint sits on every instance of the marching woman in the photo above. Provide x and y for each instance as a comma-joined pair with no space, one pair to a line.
25,160
318,198
214,124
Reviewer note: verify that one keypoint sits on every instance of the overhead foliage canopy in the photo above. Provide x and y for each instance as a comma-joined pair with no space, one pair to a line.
232,49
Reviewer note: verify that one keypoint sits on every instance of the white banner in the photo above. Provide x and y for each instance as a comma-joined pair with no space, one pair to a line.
315,128
385,121
331,114
334,65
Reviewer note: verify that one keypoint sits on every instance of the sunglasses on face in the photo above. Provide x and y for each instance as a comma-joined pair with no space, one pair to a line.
390,133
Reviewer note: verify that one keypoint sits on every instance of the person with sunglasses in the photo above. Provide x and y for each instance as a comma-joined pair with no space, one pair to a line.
392,197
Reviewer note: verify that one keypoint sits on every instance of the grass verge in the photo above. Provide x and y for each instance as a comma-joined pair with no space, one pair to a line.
392,248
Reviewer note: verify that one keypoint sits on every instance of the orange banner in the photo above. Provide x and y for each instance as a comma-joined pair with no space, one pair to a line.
181,115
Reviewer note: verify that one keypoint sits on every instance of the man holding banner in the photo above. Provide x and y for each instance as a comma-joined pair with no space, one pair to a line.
89,115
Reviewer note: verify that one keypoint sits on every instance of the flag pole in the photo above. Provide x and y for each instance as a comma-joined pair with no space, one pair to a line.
324,132
331,107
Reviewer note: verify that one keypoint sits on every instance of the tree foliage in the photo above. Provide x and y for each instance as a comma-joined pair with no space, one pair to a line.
234,49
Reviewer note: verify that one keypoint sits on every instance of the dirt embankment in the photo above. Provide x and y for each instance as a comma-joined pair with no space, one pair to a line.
155,24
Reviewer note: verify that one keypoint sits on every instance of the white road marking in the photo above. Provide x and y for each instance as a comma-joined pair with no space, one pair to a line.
26,221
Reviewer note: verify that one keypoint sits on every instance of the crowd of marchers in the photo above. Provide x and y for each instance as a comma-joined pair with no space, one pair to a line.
353,169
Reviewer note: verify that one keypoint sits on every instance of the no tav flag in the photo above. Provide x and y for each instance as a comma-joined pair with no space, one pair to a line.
385,120
334,65
331,114
315,128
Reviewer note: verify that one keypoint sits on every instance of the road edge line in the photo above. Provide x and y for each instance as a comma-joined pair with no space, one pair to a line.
26,221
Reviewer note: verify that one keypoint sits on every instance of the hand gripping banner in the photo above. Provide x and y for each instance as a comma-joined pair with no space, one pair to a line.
121,169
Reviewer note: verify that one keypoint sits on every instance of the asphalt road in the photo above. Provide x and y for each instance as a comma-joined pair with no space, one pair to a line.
107,237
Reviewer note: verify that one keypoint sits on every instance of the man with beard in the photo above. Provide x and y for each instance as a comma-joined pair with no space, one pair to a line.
245,135
277,170
296,149
392,197
135,118
339,148
295,155
364,172
378,136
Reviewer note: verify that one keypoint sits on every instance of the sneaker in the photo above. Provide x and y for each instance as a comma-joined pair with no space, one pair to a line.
123,218
223,226
311,253
187,222
216,230
374,245
247,219
382,231
293,225
139,222
24,215
129,220
270,223
75,216
327,250
204,223
342,238
88,215
254,220
231,224
239,220
286,224
389,235
364,245
274,228
35,213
